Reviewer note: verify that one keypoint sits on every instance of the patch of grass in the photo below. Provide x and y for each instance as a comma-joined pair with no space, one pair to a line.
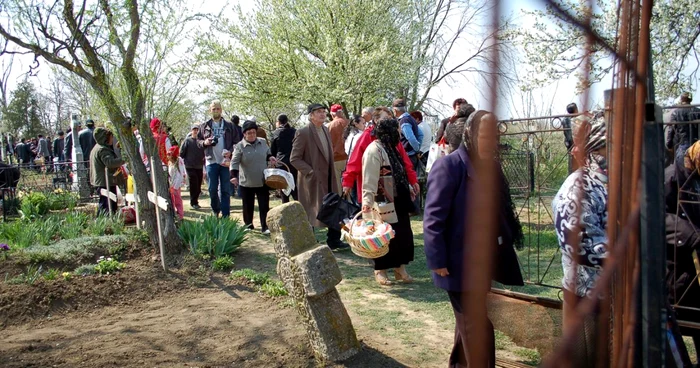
29,276
263,282
223,263
274,288
529,356
45,230
52,274
286,303
256,278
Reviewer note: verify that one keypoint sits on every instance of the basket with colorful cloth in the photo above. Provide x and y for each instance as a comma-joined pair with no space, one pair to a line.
367,238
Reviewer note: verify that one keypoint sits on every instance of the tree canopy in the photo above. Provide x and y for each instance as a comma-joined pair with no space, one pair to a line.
22,114
288,53
554,48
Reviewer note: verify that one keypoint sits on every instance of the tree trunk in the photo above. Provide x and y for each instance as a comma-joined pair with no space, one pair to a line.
172,243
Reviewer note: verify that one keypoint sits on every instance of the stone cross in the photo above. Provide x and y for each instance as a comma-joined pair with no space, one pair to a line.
310,273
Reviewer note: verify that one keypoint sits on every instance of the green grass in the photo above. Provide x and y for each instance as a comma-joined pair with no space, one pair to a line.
406,312
262,281
20,234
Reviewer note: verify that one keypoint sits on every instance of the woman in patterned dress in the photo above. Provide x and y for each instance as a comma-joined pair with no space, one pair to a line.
581,214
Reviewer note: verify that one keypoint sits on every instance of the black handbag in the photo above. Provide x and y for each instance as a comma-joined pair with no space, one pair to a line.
335,209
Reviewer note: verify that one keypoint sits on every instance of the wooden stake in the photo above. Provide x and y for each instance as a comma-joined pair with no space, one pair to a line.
136,206
155,202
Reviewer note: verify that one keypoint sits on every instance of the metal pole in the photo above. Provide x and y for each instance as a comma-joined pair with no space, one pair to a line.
160,232
136,207
109,200
652,313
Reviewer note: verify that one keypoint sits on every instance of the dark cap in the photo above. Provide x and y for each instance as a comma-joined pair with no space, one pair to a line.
248,125
314,107
399,102
60,133
89,122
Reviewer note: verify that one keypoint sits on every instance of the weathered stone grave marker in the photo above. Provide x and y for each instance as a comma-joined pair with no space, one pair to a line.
310,273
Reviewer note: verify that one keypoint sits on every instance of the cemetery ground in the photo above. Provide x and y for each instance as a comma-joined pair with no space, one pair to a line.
196,316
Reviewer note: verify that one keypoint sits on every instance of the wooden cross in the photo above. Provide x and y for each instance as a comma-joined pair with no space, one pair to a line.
159,202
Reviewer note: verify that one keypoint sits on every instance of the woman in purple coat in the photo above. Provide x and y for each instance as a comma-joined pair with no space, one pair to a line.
451,182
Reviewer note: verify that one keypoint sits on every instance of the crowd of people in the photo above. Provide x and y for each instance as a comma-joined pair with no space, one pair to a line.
50,152
378,156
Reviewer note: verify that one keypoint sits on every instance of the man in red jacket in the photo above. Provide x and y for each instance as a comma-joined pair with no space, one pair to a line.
353,170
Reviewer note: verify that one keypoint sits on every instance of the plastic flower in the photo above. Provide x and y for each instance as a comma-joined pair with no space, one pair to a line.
4,246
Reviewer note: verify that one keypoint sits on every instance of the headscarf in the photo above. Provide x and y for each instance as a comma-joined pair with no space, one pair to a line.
507,210
387,131
691,160
595,138
160,137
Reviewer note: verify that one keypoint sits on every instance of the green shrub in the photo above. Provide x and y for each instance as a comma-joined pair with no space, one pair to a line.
52,274
105,225
72,225
17,234
214,236
223,263
72,251
60,199
84,270
139,236
108,265
33,205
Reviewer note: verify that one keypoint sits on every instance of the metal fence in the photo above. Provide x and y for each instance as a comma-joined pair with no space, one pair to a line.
682,199
536,162
50,179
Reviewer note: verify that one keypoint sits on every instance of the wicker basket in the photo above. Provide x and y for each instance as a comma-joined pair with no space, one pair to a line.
277,181
369,246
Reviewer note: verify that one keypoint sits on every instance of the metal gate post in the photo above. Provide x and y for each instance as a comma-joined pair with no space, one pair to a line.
651,346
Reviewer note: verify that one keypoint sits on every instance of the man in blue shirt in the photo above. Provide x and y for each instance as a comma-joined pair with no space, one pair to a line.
411,137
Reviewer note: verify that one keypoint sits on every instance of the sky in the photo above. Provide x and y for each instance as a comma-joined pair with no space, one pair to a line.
557,95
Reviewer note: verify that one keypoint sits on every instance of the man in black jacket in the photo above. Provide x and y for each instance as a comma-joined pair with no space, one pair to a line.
681,136
193,155
86,138
281,148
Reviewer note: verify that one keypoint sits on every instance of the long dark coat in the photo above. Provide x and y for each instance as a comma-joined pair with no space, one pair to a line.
315,170
445,222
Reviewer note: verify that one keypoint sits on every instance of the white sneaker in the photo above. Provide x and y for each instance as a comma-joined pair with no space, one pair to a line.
266,232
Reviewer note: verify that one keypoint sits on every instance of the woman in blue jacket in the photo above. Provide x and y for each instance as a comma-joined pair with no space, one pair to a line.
452,186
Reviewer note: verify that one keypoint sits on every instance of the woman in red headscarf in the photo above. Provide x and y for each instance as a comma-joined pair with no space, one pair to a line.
161,137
